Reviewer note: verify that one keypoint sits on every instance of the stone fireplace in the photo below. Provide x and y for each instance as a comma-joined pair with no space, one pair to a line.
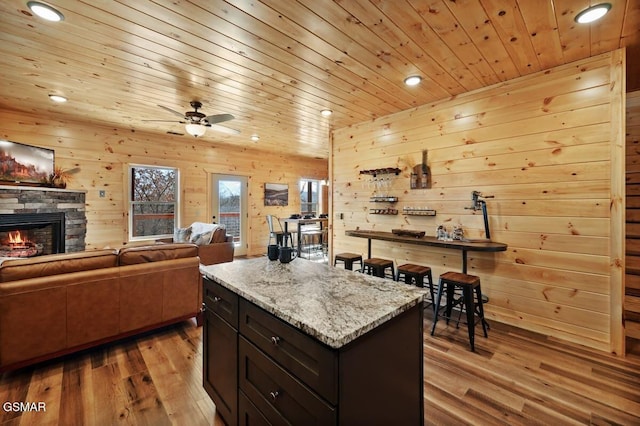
36,220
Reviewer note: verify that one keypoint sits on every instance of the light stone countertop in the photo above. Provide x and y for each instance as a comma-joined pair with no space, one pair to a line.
333,305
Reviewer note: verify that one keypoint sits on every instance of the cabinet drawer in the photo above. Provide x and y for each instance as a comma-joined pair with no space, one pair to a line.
249,415
280,397
310,361
221,301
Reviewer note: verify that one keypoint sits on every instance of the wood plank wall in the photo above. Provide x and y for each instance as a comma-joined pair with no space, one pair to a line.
632,281
549,147
103,155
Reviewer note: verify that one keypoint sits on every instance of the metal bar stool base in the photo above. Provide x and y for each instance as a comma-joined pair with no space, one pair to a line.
470,286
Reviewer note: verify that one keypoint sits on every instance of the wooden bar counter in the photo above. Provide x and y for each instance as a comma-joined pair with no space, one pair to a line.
306,343
464,246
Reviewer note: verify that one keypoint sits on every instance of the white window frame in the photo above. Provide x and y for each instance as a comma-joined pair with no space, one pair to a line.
132,203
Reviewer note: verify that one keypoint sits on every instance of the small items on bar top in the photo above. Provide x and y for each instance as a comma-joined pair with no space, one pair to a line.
408,233
457,234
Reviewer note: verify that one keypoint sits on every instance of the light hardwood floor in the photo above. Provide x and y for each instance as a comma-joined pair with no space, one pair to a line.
515,377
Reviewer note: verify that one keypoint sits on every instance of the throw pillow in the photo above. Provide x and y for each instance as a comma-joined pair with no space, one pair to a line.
201,239
181,235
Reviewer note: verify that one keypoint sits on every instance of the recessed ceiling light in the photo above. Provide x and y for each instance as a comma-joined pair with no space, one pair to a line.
326,112
45,11
593,13
57,98
255,138
412,80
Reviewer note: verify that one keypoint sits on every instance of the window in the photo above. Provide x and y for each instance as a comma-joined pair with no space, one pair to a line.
153,201
309,197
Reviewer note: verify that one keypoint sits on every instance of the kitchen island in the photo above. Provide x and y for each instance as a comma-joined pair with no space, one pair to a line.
307,343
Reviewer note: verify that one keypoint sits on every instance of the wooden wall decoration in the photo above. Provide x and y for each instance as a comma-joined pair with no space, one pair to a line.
104,154
550,148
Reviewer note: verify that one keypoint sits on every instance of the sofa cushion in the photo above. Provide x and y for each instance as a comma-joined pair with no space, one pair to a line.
156,253
219,235
181,235
55,264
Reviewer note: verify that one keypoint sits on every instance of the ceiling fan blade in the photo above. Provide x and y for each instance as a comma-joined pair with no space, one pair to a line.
219,118
223,129
166,121
172,111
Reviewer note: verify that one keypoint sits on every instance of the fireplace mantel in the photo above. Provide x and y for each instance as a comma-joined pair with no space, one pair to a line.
37,188
37,199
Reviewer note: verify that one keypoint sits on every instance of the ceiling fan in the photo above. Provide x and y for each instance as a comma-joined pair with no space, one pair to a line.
196,123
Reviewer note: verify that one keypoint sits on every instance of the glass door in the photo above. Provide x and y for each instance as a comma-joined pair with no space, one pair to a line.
229,207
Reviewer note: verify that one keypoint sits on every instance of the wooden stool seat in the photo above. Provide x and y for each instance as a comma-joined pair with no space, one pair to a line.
459,277
415,274
413,270
378,267
348,259
470,285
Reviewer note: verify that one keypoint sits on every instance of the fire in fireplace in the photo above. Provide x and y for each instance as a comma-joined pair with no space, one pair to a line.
31,234
19,246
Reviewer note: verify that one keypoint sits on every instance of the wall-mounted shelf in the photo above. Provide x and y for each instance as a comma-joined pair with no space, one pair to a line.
384,171
384,211
383,199
418,212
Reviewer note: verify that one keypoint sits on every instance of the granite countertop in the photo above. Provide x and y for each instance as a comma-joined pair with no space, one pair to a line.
333,305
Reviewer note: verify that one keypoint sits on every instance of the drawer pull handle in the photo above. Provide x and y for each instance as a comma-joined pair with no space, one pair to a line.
274,395
275,340
216,299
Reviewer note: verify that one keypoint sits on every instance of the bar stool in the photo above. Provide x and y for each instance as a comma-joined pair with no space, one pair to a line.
311,241
348,259
378,267
469,284
415,274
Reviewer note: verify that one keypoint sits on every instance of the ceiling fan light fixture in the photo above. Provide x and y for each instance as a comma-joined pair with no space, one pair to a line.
413,80
58,98
45,11
195,130
326,112
593,13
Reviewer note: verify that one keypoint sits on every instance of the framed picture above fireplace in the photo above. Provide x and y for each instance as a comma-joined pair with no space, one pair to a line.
21,163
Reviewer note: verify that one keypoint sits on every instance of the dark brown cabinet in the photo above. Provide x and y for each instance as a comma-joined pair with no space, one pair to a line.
260,370
220,347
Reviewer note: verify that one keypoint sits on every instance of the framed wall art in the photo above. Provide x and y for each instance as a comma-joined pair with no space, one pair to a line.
276,194
20,163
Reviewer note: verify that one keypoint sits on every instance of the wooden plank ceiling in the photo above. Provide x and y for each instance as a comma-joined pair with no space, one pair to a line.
274,64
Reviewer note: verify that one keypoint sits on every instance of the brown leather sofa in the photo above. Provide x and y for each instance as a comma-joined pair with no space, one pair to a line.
57,304
219,250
